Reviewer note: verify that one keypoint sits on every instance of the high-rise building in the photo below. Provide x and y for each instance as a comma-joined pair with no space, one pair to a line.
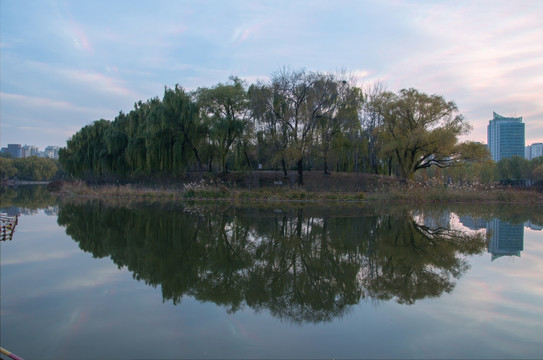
15,150
505,239
534,150
473,223
51,152
505,137
29,150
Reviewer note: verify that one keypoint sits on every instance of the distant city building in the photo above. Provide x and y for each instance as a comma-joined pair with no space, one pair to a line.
15,150
505,137
51,210
505,239
51,152
533,151
29,150
18,151
438,220
533,226
473,223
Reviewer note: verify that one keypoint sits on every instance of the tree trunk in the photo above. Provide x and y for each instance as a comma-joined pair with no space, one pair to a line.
284,167
200,168
300,164
248,161
211,163
389,166
325,167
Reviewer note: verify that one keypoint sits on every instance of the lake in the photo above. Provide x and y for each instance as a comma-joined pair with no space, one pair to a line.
159,280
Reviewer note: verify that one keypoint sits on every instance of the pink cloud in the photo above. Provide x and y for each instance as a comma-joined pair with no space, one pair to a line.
242,33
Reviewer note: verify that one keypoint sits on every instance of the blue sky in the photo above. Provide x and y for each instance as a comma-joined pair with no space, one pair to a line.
65,64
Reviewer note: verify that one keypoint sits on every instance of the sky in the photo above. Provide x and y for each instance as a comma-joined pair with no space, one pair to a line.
65,64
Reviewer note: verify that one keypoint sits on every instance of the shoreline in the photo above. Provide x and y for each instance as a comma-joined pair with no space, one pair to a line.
396,195
24,182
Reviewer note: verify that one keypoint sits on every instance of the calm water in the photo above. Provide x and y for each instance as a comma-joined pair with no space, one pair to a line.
170,281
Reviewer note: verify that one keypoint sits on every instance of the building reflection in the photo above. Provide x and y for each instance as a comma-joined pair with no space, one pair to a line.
533,226
18,211
504,239
473,224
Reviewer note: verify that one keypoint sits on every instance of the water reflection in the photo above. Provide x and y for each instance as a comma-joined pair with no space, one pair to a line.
7,226
27,200
300,264
505,239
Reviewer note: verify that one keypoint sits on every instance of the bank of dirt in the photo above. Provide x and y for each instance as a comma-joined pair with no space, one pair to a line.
313,181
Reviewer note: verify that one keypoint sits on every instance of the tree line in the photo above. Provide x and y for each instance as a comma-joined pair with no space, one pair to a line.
30,168
298,120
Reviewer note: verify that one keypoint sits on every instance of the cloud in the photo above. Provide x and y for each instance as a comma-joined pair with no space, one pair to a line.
17,100
485,56
78,36
98,82
243,32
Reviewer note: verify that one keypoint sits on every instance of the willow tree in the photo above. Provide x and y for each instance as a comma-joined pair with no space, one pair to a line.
86,151
420,130
182,120
225,109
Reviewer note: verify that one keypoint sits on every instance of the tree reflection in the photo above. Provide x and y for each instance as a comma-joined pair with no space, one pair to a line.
301,264
411,261
30,197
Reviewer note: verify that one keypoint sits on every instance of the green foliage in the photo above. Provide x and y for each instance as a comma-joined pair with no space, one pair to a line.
157,137
30,197
419,130
514,168
7,169
30,168
537,173
224,108
297,120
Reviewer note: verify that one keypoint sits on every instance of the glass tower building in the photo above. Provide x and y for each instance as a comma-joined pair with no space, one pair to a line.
505,137
505,239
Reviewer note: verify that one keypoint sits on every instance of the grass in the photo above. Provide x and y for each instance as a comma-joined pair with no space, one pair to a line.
215,191
80,189
431,192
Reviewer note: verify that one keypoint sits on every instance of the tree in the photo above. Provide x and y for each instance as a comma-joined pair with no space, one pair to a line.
289,107
225,108
86,151
272,140
537,173
188,131
372,120
30,168
514,168
339,106
473,152
7,169
157,137
420,130
473,163
299,109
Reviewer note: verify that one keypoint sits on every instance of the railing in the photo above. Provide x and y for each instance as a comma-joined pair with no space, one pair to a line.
8,226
